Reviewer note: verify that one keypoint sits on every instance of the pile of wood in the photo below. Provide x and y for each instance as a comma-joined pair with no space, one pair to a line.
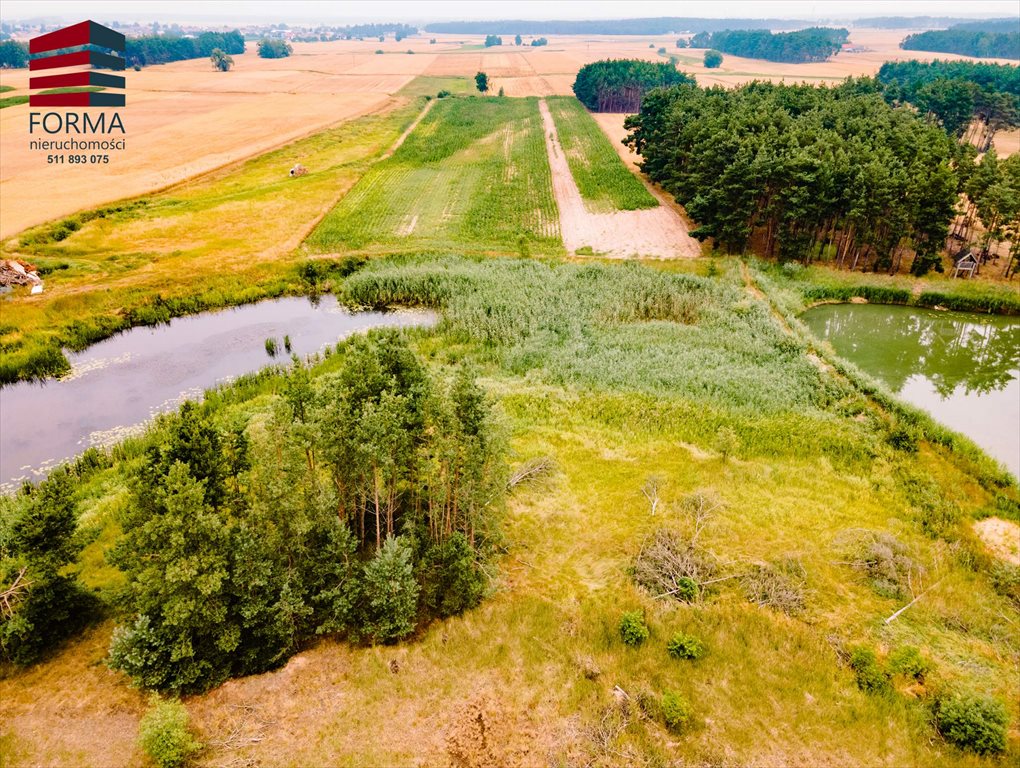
17,272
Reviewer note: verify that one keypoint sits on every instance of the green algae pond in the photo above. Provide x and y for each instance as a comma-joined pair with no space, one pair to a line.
963,368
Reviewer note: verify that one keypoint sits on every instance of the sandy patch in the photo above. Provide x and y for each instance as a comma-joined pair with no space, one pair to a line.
659,232
1002,537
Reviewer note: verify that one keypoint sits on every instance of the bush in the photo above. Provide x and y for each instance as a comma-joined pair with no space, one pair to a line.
973,722
870,676
163,734
713,59
777,586
633,630
443,94
677,712
682,646
909,662
669,564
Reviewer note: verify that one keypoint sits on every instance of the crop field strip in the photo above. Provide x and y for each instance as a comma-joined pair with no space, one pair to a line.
604,182
472,176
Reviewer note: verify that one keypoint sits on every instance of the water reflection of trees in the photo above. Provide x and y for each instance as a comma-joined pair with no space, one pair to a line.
896,343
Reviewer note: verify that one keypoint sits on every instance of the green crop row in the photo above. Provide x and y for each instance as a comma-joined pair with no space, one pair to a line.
604,182
473,175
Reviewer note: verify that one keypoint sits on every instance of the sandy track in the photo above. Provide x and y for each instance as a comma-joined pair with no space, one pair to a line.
658,232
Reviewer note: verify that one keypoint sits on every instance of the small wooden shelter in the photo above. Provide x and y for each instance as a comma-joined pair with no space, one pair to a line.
966,265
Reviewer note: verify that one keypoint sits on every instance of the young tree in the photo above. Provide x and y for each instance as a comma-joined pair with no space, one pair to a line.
713,59
482,82
221,60
517,40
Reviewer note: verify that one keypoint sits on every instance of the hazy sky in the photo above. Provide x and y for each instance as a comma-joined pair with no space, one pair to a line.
341,12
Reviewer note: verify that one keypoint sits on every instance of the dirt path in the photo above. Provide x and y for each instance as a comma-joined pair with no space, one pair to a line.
657,232
407,132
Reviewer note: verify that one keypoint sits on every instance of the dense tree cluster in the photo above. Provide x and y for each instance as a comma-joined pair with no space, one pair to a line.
538,42
802,171
966,42
13,55
162,49
360,503
274,49
954,92
812,44
618,85
491,40
661,25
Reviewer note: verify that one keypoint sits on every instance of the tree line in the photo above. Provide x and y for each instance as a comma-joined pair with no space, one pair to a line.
662,25
812,44
957,92
361,505
356,32
618,85
162,49
803,172
967,42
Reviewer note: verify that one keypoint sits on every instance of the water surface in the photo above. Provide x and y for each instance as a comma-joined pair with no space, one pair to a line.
963,368
117,385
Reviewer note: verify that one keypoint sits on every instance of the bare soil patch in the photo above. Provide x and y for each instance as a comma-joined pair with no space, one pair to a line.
658,232
1002,537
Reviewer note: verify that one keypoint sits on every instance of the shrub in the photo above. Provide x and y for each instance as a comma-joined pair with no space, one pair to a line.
669,564
973,722
633,630
677,712
443,94
713,59
682,646
870,676
163,734
779,586
886,562
908,661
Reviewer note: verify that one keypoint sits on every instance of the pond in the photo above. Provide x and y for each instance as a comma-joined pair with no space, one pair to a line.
963,368
118,385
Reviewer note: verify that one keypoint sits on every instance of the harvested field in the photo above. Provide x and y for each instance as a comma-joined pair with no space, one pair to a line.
658,232
471,175
183,119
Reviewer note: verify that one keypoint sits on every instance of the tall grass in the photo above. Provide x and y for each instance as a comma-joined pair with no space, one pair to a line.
603,180
622,327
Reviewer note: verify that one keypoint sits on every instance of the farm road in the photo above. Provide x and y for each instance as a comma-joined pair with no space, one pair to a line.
658,232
